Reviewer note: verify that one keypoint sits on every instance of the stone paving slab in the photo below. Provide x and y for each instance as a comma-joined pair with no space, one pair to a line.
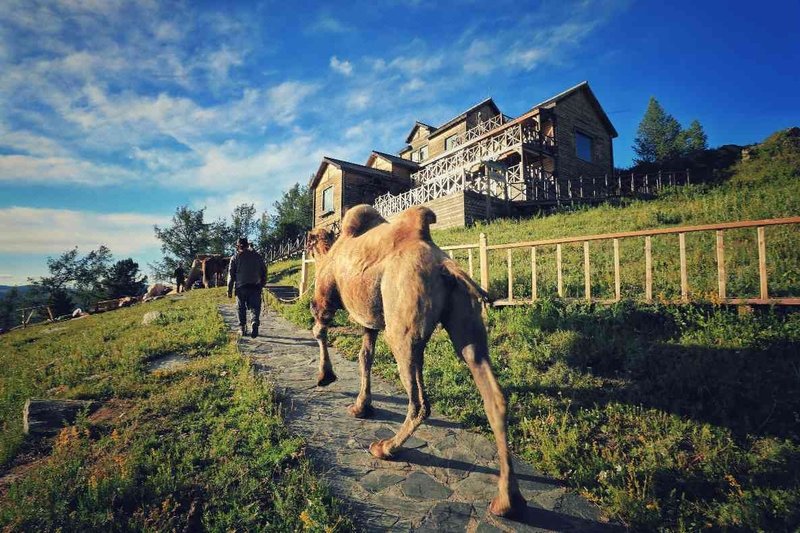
443,479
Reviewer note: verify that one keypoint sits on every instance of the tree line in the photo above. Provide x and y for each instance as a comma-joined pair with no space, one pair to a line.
189,234
81,280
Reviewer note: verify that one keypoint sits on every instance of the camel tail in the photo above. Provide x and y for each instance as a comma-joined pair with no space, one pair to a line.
452,270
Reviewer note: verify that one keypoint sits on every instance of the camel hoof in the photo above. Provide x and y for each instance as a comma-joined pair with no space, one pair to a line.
325,378
378,449
513,508
364,412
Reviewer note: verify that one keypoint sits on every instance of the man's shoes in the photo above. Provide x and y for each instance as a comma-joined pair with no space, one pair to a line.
254,333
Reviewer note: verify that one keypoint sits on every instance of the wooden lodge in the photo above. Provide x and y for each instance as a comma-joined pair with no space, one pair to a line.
478,164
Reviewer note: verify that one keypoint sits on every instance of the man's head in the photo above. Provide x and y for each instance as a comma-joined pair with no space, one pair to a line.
242,244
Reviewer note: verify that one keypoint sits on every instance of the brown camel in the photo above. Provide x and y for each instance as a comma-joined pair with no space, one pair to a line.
211,269
391,276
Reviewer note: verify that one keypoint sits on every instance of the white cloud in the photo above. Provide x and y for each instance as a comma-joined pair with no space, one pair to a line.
51,231
359,100
327,23
48,170
341,66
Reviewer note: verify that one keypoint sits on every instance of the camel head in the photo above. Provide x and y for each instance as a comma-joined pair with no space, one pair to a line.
319,241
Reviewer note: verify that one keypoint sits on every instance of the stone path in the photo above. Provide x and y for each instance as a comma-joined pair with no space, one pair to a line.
444,478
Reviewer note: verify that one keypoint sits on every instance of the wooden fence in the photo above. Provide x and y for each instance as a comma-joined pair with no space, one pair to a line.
480,251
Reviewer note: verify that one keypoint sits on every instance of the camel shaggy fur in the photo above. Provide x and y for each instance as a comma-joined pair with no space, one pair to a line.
391,276
211,269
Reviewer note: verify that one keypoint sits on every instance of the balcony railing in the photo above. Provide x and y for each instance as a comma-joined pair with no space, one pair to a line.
485,146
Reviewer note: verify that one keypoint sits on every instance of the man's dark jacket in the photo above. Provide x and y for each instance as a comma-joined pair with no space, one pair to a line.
247,268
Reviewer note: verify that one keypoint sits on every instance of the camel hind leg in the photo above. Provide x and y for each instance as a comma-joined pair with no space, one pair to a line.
408,355
466,329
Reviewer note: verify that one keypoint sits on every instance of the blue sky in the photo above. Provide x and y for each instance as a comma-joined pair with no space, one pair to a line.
113,113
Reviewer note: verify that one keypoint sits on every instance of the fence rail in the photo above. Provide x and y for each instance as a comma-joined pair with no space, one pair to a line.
482,248
532,185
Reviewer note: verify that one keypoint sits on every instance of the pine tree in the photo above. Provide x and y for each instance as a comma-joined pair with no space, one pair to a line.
693,138
658,135
123,280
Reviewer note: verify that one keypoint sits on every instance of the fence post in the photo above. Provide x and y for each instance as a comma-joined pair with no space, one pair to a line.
303,274
688,181
762,263
484,261
648,270
721,275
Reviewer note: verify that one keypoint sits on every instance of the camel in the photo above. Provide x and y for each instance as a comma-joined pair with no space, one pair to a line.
210,268
392,277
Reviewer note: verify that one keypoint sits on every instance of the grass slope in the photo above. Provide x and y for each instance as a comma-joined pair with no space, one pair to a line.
200,447
673,418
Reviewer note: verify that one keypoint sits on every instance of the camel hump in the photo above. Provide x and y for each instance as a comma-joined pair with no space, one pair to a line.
418,218
360,219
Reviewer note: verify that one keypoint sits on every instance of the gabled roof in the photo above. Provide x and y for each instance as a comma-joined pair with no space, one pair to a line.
418,125
393,159
582,86
347,167
462,116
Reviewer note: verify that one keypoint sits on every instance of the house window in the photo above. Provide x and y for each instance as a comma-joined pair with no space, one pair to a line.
583,146
327,200
423,153
450,142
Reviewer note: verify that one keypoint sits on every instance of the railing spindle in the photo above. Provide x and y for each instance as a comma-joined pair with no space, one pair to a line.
721,276
684,273
558,272
648,269
534,288
617,283
587,281
762,263
510,276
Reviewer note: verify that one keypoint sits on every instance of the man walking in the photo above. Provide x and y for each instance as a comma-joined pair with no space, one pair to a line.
180,278
247,274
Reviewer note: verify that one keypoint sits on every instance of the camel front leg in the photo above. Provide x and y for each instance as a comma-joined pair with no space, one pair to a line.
325,376
362,408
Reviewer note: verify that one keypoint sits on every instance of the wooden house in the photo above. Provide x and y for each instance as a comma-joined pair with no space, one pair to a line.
478,164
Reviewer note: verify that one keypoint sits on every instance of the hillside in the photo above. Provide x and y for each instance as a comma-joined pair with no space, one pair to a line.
202,445
674,418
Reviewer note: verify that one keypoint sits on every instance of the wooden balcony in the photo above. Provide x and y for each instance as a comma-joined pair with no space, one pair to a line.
488,141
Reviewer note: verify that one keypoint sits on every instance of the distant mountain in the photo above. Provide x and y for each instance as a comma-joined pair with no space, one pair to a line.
22,289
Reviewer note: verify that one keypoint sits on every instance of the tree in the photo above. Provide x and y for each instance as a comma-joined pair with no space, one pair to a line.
8,304
83,276
693,138
243,221
658,135
292,214
262,234
186,236
123,280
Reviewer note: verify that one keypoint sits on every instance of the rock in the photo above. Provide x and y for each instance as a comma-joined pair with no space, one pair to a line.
446,517
47,417
419,486
150,317
377,480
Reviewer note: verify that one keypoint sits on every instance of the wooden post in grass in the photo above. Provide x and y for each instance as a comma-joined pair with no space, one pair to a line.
762,263
534,289
558,272
617,284
648,269
483,260
510,276
303,274
587,281
469,263
721,276
684,274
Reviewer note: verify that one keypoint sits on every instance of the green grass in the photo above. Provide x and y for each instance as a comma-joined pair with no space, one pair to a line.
673,418
203,446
